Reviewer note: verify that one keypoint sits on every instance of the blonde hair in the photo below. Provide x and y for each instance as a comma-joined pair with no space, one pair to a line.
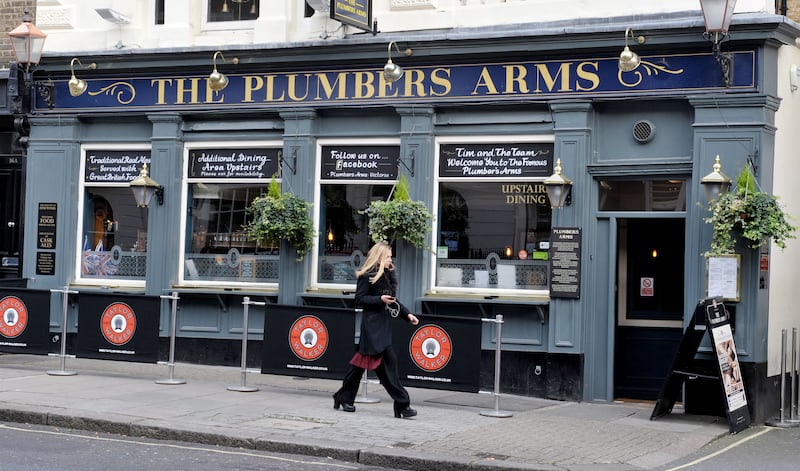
375,257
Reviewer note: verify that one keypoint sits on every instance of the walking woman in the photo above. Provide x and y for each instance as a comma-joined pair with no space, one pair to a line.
376,292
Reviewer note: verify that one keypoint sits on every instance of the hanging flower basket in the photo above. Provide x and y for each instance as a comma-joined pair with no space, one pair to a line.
753,215
400,218
281,216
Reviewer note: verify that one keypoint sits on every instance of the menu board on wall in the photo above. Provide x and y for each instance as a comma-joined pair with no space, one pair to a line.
114,166
226,163
513,160
46,229
359,162
565,262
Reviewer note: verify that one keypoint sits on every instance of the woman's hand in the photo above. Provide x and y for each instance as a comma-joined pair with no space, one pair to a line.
413,319
387,299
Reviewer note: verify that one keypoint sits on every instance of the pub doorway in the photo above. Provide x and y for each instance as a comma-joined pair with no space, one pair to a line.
649,304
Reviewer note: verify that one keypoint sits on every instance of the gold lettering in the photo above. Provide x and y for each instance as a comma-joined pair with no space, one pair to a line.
485,81
251,84
193,90
340,84
292,85
270,96
365,85
210,94
442,81
584,74
515,74
161,85
414,79
384,86
550,81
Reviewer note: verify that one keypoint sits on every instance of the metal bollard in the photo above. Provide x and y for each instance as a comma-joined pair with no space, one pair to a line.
243,387
498,320
364,398
171,364
781,422
65,305
793,392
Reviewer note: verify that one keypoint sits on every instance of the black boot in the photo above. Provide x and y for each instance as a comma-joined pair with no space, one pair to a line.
345,406
404,411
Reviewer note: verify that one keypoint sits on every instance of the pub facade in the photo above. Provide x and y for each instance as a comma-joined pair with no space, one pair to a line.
594,295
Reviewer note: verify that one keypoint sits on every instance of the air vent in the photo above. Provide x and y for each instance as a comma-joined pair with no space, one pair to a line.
644,131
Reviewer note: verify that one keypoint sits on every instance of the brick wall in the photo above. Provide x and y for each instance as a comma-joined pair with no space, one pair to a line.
11,12
793,9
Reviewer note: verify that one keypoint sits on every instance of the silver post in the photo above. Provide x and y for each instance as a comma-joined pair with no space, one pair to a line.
498,320
792,403
364,398
171,364
781,422
65,306
243,387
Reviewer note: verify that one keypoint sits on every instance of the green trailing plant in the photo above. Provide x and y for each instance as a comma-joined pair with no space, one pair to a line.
400,218
281,216
754,215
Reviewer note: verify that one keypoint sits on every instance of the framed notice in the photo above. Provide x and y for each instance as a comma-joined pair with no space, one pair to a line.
723,277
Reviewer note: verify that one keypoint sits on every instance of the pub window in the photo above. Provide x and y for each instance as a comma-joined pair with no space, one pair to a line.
221,183
493,218
113,230
351,178
232,10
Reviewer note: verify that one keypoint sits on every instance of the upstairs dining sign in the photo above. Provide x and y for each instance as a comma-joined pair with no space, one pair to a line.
499,81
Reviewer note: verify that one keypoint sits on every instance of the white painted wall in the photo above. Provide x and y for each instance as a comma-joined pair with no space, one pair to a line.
784,272
73,25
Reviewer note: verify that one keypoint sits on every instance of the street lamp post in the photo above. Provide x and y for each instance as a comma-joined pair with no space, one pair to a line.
28,42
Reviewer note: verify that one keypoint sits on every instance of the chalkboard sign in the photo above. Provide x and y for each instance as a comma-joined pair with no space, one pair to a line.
114,166
565,262
359,162
46,237
512,160
227,163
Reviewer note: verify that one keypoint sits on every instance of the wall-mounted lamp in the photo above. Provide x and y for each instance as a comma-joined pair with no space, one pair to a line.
391,71
558,187
716,182
508,251
330,235
78,86
217,80
629,60
144,188
717,15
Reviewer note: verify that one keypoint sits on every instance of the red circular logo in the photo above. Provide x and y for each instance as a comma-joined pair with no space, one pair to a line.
118,323
431,348
15,317
308,338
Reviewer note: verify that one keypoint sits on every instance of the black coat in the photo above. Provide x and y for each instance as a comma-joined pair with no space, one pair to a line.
376,327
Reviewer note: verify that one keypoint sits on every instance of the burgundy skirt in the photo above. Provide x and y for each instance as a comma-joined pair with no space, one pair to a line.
367,362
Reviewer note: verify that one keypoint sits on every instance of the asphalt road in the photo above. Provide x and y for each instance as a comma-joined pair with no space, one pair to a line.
759,448
41,448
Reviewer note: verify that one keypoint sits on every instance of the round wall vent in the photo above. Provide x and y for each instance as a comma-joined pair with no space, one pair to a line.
644,131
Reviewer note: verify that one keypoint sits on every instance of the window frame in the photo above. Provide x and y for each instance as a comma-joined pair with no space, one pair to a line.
207,25
433,288
186,181
313,282
82,188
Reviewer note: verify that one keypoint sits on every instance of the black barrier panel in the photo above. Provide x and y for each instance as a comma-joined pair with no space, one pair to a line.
118,327
25,321
307,341
439,353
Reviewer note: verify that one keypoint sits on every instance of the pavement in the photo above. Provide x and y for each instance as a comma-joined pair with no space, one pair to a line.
453,431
